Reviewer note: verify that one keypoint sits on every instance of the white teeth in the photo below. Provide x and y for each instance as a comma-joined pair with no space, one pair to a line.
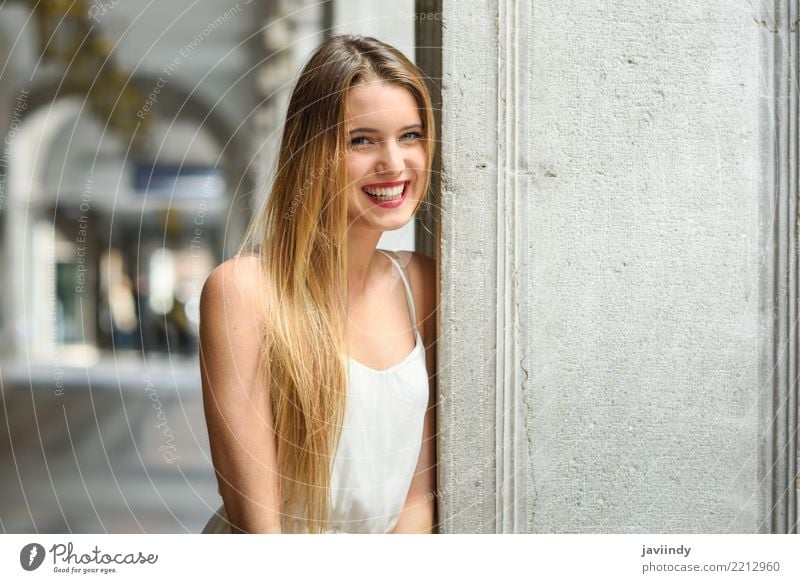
386,193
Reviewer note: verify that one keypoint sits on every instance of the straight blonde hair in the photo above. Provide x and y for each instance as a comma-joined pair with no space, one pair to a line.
302,233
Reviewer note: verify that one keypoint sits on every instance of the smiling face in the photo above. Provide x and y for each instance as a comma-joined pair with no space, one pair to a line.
386,159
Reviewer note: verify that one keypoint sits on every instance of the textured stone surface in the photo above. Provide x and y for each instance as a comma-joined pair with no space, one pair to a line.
636,237
643,229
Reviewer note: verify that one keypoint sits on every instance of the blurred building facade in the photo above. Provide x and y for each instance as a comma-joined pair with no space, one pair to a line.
138,141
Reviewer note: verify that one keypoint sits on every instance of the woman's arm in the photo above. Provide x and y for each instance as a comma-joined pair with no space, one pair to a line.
419,511
235,398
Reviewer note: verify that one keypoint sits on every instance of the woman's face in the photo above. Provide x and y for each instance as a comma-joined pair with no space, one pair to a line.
386,155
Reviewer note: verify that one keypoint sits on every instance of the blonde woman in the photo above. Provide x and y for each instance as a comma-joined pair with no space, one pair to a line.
316,347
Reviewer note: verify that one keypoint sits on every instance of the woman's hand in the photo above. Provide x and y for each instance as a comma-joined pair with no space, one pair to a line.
419,511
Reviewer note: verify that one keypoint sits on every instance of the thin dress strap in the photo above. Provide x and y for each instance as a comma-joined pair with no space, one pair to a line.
409,295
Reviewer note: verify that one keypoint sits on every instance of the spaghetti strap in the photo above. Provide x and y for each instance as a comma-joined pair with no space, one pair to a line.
409,295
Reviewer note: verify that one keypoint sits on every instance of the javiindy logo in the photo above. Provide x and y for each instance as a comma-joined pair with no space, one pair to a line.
31,556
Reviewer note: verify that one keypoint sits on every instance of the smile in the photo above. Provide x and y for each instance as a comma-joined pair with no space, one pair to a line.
387,194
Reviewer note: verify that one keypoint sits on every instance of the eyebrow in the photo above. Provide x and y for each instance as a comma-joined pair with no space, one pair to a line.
374,131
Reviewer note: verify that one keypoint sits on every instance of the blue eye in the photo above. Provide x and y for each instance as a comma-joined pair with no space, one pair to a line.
357,142
415,135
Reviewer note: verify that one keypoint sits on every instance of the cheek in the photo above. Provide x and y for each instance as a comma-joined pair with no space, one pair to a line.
357,168
419,158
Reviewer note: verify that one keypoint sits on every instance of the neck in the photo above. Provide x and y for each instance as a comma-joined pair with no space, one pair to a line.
361,245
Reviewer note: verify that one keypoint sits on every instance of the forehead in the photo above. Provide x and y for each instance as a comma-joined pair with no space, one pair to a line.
382,105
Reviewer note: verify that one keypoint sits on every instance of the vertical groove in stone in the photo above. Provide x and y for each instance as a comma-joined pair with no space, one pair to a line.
510,432
792,345
504,344
779,419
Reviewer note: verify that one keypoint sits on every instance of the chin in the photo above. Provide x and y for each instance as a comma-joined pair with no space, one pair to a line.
396,227
386,223
391,225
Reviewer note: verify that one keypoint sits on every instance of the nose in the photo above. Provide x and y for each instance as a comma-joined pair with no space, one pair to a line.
390,160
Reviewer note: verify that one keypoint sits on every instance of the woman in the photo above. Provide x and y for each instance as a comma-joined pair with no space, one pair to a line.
316,347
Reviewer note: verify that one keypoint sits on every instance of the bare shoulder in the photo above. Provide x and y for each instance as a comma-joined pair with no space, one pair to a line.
422,273
236,280
236,270
230,299
424,268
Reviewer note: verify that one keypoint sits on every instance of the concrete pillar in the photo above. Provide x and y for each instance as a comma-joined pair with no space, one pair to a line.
618,309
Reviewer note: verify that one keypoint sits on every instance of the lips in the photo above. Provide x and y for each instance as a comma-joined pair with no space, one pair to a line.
387,194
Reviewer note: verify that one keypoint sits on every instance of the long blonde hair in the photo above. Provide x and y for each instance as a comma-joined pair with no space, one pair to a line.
302,232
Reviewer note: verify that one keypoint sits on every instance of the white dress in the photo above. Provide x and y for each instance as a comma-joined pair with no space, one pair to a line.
380,442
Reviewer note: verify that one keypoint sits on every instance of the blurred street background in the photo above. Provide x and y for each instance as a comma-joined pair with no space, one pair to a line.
139,137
